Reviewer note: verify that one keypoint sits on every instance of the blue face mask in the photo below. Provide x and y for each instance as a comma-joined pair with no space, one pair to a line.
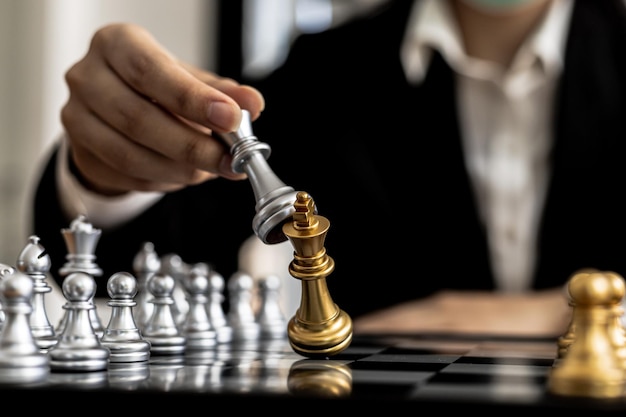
497,5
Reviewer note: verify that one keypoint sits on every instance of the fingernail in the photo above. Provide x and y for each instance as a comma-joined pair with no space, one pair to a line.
223,116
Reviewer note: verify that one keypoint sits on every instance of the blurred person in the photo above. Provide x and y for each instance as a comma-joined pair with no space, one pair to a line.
466,152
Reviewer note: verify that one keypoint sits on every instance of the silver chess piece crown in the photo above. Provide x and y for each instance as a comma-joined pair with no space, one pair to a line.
274,199
81,240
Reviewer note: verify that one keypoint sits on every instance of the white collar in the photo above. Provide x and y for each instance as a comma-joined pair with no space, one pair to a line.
431,26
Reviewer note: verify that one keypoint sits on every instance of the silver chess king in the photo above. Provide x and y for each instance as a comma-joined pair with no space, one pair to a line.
319,328
274,199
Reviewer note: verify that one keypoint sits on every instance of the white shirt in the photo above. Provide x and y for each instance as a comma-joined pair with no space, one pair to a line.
505,117
505,120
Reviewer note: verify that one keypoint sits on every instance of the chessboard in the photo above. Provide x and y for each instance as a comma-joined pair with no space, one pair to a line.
445,372
153,350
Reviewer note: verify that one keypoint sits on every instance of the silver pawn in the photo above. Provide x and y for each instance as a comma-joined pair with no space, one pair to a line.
122,336
174,266
4,271
35,262
161,329
79,347
145,264
21,359
270,316
81,239
215,307
241,317
197,328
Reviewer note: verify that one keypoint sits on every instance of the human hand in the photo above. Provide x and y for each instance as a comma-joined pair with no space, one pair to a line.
536,314
138,119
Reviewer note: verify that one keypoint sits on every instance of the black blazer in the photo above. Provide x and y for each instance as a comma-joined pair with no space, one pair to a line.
383,162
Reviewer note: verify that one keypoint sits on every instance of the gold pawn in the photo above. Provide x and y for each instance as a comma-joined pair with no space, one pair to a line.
616,328
319,328
592,367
